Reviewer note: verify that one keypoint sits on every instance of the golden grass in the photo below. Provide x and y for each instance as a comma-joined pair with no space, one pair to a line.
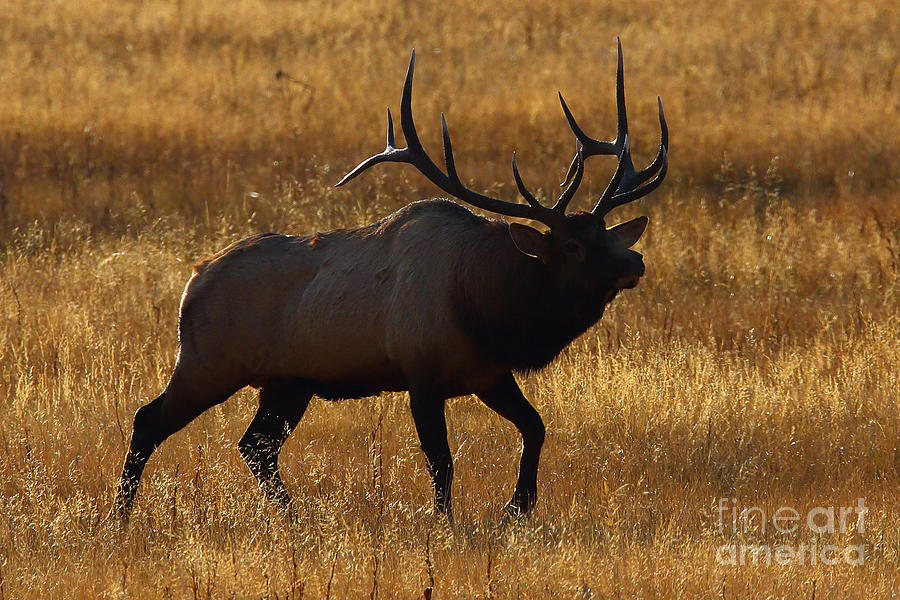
758,360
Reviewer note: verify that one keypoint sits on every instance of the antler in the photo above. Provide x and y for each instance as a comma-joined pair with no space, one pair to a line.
415,154
625,185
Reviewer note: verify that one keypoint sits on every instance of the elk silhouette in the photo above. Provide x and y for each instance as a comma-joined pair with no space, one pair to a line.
432,299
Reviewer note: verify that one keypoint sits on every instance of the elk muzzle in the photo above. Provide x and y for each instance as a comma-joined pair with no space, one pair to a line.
632,271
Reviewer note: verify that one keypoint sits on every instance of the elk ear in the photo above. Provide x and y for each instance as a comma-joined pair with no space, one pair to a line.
631,231
529,241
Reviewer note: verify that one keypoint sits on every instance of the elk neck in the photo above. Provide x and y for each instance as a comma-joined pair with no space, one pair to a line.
512,304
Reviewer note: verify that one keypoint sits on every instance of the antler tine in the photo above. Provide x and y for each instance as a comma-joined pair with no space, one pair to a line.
390,131
569,192
663,141
646,173
390,154
621,114
613,184
415,154
529,197
448,152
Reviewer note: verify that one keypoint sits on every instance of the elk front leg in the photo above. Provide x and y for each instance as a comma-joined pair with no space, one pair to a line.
506,399
188,393
431,425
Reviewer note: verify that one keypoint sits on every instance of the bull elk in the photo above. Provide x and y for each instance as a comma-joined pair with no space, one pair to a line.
432,299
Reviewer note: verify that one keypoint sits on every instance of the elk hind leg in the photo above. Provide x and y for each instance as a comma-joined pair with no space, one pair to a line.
146,436
281,406
183,400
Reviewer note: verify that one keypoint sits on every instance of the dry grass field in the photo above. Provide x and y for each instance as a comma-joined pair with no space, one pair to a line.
759,359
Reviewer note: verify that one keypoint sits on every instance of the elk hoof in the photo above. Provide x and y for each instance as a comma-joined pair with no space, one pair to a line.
514,513
445,514
289,511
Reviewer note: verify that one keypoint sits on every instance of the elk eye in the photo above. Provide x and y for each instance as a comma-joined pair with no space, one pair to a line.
573,248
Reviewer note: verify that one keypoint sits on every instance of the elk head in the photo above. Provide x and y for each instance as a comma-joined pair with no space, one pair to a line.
586,258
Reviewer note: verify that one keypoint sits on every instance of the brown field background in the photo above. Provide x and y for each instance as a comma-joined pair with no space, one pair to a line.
758,360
